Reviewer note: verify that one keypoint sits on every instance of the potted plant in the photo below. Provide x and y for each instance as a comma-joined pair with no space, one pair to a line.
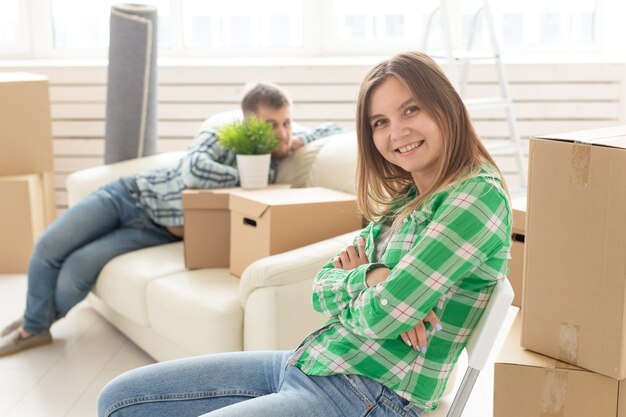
252,140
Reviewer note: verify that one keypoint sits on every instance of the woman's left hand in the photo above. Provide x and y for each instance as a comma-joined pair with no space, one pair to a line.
350,258
416,337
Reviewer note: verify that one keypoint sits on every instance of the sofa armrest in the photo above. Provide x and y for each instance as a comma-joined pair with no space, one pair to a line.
276,295
84,182
290,267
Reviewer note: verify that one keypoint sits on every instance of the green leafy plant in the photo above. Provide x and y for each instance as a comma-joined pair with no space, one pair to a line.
251,136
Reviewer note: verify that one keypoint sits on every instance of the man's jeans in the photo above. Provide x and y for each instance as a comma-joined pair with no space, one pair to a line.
71,253
245,384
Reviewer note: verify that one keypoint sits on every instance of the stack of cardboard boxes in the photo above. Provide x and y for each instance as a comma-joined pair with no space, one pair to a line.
234,227
26,167
574,298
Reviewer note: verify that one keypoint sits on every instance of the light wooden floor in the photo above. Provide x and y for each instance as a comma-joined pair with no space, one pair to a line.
64,379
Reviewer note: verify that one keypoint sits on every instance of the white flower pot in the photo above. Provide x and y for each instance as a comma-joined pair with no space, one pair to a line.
253,170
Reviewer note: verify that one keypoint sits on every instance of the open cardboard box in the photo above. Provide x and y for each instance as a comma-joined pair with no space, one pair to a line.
207,226
268,222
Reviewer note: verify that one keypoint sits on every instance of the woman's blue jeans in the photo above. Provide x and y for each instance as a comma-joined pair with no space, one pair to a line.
245,384
70,254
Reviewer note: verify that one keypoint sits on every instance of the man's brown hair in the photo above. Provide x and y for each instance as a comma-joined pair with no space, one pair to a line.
263,94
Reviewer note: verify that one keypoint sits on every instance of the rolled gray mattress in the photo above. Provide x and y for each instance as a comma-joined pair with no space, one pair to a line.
131,108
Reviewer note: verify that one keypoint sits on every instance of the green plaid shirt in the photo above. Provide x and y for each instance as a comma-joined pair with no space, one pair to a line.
446,257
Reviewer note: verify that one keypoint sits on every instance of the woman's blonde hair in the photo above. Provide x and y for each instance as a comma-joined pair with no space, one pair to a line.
379,182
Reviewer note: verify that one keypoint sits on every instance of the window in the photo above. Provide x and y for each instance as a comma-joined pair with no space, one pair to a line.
58,28
9,20
13,30
365,26
242,24
529,24
546,24
79,24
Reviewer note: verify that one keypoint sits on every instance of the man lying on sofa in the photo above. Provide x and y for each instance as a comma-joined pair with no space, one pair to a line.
133,213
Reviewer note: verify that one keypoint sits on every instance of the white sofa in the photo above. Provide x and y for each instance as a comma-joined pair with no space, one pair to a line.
172,312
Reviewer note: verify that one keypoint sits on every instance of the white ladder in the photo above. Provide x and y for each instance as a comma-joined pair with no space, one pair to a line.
453,56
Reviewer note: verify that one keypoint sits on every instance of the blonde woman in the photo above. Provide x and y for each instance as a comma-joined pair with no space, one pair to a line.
401,301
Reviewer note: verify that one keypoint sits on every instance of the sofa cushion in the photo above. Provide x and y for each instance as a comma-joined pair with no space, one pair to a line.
198,309
123,281
335,165
295,168
220,119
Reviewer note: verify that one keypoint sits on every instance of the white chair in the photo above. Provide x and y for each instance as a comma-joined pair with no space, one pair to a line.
479,347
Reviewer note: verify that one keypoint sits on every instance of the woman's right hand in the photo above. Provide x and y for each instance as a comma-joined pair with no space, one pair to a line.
416,337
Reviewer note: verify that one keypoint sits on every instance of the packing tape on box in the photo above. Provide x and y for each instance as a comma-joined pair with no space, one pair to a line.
579,164
131,119
554,392
568,343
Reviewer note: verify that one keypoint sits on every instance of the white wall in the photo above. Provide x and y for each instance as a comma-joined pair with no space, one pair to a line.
548,98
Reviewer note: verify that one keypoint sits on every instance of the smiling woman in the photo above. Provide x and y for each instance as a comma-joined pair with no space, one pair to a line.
405,135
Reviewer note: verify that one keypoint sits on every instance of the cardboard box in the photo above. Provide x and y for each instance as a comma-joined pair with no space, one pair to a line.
49,197
574,304
516,263
22,219
207,226
527,384
274,221
25,130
